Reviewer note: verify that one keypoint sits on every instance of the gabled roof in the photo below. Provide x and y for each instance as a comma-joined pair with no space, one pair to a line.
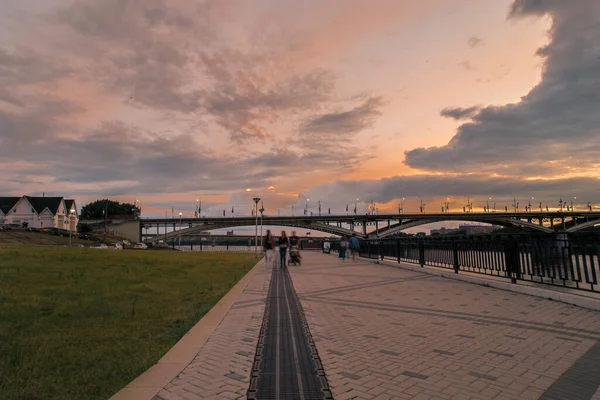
70,203
39,204
7,203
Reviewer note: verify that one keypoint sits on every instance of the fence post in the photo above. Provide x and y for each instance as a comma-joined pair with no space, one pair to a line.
422,253
455,256
381,249
227,246
398,249
369,248
511,258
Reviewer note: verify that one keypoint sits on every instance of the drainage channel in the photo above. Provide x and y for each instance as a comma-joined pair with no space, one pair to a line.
286,365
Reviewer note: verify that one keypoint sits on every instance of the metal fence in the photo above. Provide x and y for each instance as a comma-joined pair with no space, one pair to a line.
569,261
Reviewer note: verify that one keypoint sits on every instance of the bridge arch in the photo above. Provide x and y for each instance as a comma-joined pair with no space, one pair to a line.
332,229
505,222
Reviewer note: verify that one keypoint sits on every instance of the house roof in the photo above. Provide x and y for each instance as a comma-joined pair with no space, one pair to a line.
41,203
6,203
70,203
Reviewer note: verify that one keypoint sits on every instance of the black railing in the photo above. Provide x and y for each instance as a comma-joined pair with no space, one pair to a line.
569,261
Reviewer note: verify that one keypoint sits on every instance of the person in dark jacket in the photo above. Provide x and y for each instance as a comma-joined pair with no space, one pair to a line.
283,244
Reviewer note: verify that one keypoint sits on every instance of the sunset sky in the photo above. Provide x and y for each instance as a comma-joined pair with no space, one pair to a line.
168,101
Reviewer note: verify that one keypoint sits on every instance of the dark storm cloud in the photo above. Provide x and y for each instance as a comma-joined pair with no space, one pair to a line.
352,121
459,113
556,124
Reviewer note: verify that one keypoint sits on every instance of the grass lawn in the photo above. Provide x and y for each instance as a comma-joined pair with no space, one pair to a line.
79,323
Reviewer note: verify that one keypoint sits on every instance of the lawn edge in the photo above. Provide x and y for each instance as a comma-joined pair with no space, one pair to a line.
149,383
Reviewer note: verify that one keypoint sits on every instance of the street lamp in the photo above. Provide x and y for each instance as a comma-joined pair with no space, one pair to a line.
422,207
180,214
572,209
356,206
71,213
306,207
561,203
256,200
262,210
401,208
447,205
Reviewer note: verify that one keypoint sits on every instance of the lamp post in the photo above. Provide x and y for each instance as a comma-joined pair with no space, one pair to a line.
422,207
256,200
401,207
71,212
262,210
180,214
356,207
572,209
447,205
561,203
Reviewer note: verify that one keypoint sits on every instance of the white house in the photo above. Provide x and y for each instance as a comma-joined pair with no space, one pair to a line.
44,212
6,204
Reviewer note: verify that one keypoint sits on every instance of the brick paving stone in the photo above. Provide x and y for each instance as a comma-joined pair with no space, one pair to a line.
444,329
222,367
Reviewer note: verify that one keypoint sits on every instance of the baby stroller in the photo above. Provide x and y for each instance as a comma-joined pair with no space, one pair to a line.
294,256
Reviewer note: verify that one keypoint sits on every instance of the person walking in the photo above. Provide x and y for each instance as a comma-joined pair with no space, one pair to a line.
354,245
283,244
268,246
343,247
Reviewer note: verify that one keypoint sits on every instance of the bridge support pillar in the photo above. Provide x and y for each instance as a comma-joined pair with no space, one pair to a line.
364,230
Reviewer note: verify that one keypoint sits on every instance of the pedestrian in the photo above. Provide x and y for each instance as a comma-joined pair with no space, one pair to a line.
295,242
268,246
343,247
354,246
283,245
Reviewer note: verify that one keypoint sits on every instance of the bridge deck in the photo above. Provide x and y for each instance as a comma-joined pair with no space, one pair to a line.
385,332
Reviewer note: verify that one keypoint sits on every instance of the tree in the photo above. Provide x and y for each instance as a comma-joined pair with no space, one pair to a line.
84,228
96,209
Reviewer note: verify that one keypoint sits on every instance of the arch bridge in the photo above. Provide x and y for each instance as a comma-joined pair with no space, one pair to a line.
384,225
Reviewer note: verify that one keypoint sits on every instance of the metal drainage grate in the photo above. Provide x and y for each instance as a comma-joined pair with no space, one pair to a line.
286,365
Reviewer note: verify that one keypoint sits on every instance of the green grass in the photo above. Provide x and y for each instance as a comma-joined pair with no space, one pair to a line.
80,323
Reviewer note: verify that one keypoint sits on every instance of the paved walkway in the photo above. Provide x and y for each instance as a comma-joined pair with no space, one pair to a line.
384,332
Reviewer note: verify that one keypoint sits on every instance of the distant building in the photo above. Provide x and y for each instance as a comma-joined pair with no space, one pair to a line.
39,212
478,229
444,231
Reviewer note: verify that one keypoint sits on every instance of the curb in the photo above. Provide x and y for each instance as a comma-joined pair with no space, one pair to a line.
149,383
573,299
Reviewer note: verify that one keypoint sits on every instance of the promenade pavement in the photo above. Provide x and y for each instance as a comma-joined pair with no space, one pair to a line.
384,332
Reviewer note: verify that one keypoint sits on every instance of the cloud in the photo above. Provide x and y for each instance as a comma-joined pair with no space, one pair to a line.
554,129
460,113
474,41
344,122
436,188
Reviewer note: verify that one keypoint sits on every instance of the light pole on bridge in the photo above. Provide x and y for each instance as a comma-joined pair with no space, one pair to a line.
180,214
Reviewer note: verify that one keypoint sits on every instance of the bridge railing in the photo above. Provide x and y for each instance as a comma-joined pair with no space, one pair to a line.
568,261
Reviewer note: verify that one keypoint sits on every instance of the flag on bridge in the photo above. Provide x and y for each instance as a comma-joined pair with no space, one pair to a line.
223,212
329,211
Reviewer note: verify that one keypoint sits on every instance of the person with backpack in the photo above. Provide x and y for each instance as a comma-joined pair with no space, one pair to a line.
354,245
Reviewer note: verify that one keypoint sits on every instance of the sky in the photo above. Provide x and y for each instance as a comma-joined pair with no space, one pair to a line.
390,101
